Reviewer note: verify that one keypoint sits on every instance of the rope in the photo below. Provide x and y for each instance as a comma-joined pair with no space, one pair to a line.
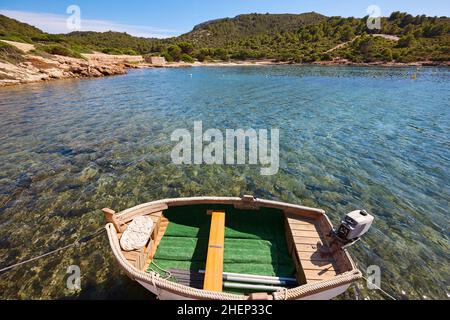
373,284
285,292
73,244
167,273
386,293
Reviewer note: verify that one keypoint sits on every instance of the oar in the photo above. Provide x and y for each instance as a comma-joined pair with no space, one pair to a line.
252,278
236,285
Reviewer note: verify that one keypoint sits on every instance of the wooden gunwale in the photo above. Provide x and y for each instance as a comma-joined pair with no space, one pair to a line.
323,265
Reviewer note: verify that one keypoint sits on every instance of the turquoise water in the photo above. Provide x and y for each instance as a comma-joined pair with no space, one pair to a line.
350,138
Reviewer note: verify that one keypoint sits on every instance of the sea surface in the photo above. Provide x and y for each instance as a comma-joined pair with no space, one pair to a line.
350,138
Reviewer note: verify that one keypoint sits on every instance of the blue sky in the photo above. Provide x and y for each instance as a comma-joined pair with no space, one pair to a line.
170,18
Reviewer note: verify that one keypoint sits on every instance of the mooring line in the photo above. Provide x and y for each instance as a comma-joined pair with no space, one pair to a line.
75,243
373,284
386,293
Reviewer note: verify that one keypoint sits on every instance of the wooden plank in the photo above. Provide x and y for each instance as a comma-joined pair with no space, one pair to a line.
303,233
214,260
303,213
305,247
307,240
313,259
292,216
319,274
125,217
294,222
314,280
303,227
316,265
162,226
314,256
130,255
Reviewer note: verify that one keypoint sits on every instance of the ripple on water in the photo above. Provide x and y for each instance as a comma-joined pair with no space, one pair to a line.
349,138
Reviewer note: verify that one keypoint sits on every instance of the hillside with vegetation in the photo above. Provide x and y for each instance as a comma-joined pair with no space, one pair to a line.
308,37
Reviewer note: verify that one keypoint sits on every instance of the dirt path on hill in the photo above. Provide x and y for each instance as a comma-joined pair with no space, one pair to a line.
25,47
385,36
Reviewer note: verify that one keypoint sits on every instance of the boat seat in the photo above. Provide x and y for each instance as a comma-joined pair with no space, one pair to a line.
214,260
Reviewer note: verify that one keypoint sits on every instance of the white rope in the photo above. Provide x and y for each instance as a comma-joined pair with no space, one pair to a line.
75,243
167,273
387,294
153,275
285,291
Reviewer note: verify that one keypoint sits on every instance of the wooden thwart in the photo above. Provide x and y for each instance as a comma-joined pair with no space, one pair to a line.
214,260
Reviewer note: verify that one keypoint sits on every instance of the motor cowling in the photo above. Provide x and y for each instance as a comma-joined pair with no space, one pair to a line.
354,225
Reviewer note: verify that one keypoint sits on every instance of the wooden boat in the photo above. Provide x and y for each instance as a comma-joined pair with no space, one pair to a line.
228,248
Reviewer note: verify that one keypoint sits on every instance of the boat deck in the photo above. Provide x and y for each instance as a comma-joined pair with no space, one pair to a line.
309,248
306,241
269,246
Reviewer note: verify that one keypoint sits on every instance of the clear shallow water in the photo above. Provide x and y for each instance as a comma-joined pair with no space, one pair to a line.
349,138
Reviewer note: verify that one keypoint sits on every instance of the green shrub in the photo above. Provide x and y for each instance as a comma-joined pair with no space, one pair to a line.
130,52
187,58
112,51
406,41
167,56
80,48
204,54
60,50
387,55
186,47
325,57
175,52
17,38
242,54
10,53
221,54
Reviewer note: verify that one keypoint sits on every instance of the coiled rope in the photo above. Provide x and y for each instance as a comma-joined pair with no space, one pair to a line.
73,244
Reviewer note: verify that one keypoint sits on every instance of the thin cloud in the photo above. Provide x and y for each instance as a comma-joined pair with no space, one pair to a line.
55,23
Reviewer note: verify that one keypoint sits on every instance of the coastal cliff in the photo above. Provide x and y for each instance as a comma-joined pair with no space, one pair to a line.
36,68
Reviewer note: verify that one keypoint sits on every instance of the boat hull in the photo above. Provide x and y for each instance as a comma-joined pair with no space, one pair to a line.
317,281
162,294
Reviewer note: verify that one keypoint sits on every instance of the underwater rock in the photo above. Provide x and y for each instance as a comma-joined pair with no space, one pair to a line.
23,181
59,149
88,173
5,243
313,188
72,213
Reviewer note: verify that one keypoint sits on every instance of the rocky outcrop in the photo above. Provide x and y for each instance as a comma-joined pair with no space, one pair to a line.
38,68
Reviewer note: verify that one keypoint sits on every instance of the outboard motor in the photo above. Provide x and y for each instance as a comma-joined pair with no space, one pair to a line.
353,226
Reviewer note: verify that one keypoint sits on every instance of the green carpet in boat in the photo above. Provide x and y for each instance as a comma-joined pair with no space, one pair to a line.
254,241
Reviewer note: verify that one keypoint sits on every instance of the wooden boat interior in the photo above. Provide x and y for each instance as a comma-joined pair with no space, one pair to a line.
195,243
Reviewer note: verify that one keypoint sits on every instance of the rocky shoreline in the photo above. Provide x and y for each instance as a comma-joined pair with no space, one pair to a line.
39,68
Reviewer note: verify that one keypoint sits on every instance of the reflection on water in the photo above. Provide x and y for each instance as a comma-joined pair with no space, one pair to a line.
349,138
